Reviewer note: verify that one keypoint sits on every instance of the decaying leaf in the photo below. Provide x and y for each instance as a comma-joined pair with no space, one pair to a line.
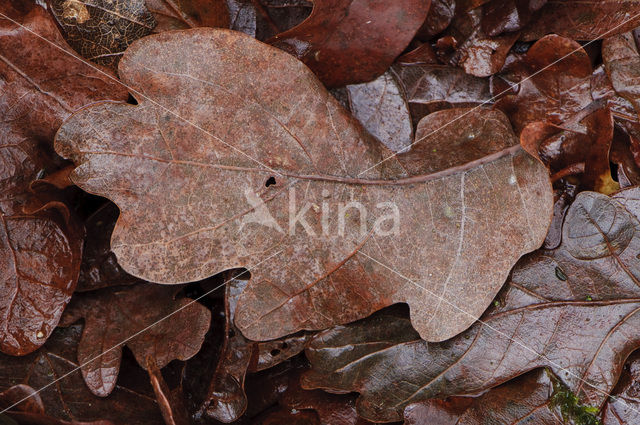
383,111
226,400
353,41
572,309
439,17
40,240
623,407
101,30
99,268
622,62
500,16
277,16
31,409
528,399
68,399
430,88
112,315
181,14
474,51
213,190
544,87
582,150
584,20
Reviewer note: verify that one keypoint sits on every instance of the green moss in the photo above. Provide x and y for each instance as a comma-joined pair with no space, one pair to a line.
573,412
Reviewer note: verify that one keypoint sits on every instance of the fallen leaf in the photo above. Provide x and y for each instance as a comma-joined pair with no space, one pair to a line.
99,268
31,411
171,403
587,144
421,55
499,16
439,17
350,42
101,30
193,205
40,240
622,63
430,88
242,16
133,316
546,88
226,400
383,111
584,20
69,399
624,405
572,309
277,16
527,399
181,14
476,52
332,409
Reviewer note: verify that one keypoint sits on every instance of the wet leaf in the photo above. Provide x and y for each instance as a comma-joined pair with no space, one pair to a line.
192,205
40,239
68,399
430,88
331,409
572,309
276,16
101,30
182,14
623,407
622,62
226,400
99,268
524,400
545,90
500,16
32,411
474,51
584,20
170,402
439,17
584,149
349,42
112,315
383,111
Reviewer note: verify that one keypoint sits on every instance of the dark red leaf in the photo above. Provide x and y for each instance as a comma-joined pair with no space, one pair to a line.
353,41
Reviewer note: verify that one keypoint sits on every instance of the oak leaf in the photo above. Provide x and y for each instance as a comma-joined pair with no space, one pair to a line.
213,190
138,316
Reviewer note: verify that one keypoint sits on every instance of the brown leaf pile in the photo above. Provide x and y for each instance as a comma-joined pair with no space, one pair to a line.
338,212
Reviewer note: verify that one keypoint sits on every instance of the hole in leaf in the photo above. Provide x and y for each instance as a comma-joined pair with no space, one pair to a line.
132,100
614,171
284,346
274,352
270,181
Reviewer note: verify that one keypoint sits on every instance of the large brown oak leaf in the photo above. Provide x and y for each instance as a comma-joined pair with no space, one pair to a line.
261,164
